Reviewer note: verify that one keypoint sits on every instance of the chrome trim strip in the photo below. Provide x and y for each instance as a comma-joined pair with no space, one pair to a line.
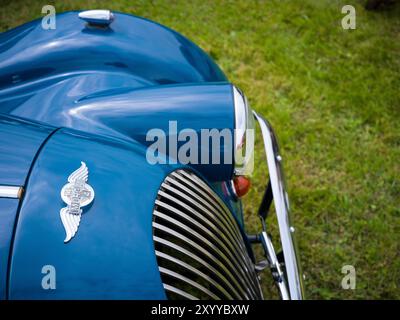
195,271
282,209
182,293
11,192
201,261
187,280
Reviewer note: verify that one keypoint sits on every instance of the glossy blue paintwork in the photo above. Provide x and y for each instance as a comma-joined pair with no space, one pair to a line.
8,212
130,113
108,87
112,256
113,81
19,142
146,52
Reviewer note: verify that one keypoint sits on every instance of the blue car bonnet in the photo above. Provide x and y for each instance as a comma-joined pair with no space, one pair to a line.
113,248
121,81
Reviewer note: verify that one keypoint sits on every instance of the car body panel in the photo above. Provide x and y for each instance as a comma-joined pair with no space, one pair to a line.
8,213
135,46
131,113
112,254
20,140
117,81
15,161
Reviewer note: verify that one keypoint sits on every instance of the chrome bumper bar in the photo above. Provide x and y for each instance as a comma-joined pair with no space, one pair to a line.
290,283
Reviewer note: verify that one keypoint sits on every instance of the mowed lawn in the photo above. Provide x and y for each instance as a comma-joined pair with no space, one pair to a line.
332,96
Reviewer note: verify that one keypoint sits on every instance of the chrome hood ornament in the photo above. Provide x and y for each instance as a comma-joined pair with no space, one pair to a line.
76,194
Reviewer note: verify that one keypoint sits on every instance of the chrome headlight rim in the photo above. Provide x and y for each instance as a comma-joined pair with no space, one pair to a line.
243,134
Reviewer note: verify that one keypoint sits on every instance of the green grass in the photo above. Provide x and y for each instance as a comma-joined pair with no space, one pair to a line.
332,96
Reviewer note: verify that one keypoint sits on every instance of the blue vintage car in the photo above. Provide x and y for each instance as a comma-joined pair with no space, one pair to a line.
93,205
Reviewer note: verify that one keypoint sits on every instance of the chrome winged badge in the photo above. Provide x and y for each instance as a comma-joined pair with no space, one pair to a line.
76,194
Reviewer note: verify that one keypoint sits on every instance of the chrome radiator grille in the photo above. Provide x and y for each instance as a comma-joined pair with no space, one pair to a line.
199,248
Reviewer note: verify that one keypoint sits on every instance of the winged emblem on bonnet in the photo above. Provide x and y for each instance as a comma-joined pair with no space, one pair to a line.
76,194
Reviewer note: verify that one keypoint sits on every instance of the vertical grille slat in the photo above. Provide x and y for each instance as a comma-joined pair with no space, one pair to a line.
219,208
203,252
229,233
195,271
232,264
199,247
208,213
217,201
200,207
225,282
215,231
187,280
180,292
218,204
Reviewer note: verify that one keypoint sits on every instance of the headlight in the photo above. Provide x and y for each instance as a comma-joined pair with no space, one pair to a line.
244,135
